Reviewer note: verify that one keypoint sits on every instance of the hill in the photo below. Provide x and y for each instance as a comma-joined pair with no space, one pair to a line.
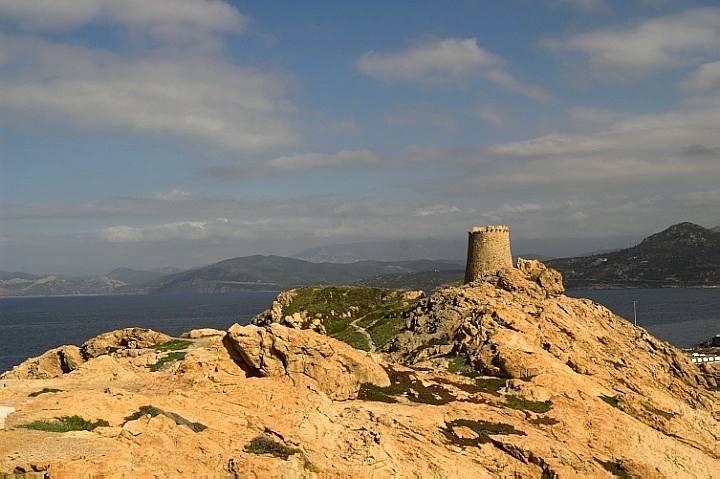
389,250
683,255
275,273
500,378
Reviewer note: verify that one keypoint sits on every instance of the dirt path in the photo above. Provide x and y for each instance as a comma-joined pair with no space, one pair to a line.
362,331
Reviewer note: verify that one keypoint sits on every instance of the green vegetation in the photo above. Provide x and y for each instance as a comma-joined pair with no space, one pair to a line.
544,420
156,411
43,391
483,429
348,309
405,383
144,411
490,385
456,364
172,345
65,424
168,358
647,405
517,402
266,445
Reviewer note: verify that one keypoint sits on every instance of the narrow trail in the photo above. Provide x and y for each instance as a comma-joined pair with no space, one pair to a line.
362,331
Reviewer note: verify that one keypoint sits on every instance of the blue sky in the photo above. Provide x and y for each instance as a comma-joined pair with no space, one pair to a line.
184,132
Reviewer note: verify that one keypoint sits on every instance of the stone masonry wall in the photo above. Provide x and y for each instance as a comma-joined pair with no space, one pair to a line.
488,251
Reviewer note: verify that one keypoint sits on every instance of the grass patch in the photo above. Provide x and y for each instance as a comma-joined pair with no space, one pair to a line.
544,420
379,311
490,385
649,406
354,338
172,345
404,383
483,430
456,364
517,402
65,424
44,391
168,358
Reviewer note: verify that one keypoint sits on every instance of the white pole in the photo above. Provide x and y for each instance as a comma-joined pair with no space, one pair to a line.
635,312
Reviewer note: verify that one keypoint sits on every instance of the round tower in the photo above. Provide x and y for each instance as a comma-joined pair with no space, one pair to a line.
488,251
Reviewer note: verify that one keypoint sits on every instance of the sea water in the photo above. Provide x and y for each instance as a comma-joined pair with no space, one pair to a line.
31,326
684,317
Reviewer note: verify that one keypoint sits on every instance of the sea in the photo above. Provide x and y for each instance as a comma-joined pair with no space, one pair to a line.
31,326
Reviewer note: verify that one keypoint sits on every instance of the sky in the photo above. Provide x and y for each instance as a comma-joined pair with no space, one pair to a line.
178,133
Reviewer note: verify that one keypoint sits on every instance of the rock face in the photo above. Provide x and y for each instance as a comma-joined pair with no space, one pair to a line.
305,357
64,359
505,377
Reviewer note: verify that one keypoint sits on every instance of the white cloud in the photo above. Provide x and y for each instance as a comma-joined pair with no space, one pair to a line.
441,61
160,18
707,77
182,230
584,5
658,44
435,61
202,98
521,208
434,210
511,83
174,195
321,160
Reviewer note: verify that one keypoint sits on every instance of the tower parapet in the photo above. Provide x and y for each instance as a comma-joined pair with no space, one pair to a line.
488,251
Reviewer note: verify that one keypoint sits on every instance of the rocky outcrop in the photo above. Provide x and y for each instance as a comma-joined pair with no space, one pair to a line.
305,357
499,378
52,363
65,359
128,338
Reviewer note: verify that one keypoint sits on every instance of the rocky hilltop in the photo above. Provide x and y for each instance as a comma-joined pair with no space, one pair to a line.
503,377
683,255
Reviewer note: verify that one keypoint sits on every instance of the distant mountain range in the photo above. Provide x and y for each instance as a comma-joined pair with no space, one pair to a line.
268,273
683,255
387,250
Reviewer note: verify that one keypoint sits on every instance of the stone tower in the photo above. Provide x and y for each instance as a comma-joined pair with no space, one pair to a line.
488,251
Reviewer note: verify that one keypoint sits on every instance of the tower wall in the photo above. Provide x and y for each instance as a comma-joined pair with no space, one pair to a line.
488,251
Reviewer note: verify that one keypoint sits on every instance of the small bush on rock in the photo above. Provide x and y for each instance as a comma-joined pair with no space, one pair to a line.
43,391
266,445
65,424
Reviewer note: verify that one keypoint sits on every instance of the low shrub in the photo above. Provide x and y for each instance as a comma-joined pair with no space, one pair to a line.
44,391
647,405
264,444
483,429
156,411
404,383
172,345
544,420
168,358
517,402
65,424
